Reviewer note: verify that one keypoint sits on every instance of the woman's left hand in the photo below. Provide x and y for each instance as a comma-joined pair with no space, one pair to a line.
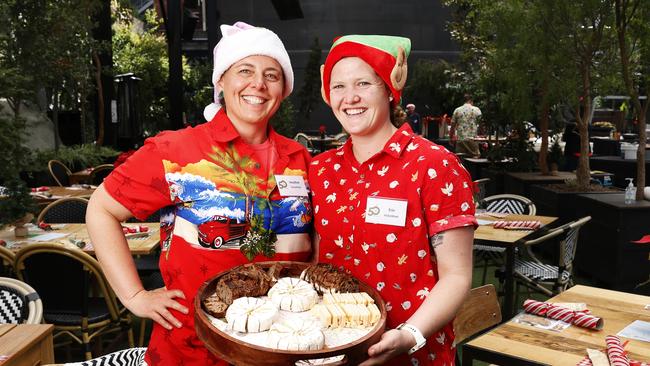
392,343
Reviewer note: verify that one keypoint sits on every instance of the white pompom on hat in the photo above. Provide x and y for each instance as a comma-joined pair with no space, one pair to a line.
239,41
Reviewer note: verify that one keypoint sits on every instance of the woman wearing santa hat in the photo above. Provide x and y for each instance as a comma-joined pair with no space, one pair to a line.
215,185
392,208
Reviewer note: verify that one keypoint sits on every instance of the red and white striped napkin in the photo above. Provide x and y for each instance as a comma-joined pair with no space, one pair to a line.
518,225
583,319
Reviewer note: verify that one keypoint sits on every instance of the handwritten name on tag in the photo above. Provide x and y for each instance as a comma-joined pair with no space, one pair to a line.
291,185
386,211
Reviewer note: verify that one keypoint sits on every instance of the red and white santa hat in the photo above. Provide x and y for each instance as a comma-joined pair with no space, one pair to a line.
239,41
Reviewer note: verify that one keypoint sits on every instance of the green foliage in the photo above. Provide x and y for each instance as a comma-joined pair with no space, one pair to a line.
283,121
198,91
75,157
144,53
435,87
15,202
258,240
309,95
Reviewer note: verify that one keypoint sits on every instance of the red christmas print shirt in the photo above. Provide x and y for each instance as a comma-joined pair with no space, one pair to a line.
397,261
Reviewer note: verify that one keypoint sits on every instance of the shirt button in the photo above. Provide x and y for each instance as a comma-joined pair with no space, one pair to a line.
362,176
351,208
347,247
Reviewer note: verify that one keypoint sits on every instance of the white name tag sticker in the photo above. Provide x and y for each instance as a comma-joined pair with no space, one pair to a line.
387,211
291,185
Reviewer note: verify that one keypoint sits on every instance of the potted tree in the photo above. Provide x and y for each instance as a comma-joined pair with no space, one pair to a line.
555,157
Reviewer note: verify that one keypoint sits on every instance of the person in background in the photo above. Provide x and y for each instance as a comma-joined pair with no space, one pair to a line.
216,186
464,125
414,118
392,208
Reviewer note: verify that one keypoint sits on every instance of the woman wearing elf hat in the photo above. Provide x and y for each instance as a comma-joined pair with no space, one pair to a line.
216,186
391,207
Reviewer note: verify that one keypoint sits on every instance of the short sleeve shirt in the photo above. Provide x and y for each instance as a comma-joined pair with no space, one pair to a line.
395,260
209,185
467,117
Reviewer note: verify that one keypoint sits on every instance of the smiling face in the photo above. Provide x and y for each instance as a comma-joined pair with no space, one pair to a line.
359,97
252,90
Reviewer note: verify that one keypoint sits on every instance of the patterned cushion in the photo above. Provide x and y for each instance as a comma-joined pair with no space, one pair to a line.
13,309
125,357
539,272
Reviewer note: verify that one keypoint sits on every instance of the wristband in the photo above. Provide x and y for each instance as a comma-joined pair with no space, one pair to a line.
420,341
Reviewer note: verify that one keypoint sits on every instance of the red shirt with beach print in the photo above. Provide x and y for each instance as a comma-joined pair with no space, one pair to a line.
396,260
209,184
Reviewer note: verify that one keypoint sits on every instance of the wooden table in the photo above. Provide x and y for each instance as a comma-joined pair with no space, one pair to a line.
55,192
508,239
26,344
139,246
518,344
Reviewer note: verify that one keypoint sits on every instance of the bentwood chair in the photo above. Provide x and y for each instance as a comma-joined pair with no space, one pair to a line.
19,303
100,172
125,357
77,298
71,210
304,140
545,278
60,172
7,262
500,203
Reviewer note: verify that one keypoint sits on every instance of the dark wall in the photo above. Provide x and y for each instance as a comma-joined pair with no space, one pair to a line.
420,20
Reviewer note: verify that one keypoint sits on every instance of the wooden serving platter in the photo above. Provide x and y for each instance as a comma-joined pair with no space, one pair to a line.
238,352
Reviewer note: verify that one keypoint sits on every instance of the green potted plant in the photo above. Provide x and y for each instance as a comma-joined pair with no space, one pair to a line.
16,203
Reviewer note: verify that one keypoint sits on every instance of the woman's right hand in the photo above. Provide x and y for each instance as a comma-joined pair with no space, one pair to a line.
154,304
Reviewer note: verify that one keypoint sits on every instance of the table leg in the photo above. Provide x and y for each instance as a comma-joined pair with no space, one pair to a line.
509,298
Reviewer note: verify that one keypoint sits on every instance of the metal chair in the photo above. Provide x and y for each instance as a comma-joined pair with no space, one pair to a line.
100,172
71,210
546,278
60,172
500,203
125,357
77,298
304,140
508,203
19,303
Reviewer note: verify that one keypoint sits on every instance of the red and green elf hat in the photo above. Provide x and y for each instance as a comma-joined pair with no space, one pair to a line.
385,54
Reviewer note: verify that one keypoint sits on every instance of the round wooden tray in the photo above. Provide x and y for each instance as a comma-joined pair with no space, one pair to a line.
238,352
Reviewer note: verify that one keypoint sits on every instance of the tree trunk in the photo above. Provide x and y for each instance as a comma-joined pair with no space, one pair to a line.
622,21
640,154
583,173
100,100
55,120
543,126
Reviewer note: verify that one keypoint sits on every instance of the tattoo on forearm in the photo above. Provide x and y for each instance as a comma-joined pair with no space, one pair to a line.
437,240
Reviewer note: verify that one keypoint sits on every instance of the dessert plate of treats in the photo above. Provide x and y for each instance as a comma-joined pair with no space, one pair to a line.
288,313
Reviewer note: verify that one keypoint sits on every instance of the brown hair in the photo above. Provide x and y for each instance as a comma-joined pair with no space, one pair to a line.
397,116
